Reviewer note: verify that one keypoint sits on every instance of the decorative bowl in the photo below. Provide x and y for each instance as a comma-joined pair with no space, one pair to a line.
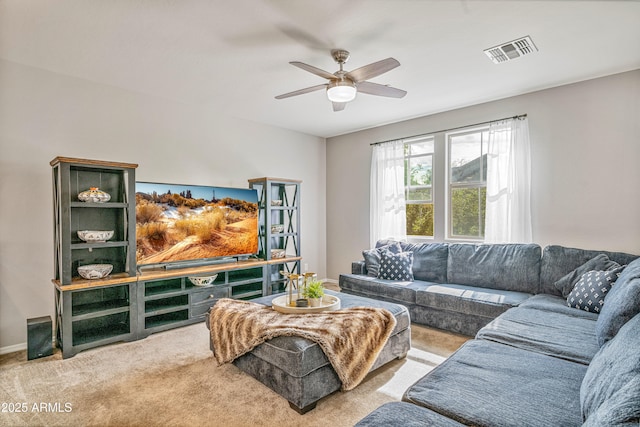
94,195
202,280
277,253
277,228
95,271
94,236
276,203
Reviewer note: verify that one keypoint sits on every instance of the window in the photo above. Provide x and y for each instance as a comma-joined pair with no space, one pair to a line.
435,185
418,183
467,174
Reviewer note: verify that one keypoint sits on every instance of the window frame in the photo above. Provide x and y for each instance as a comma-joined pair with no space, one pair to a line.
450,186
407,173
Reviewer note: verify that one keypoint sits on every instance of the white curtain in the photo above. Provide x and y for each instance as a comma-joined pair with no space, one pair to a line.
508,211
388,208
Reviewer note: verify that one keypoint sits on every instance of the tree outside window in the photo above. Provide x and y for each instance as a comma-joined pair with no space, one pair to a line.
467,183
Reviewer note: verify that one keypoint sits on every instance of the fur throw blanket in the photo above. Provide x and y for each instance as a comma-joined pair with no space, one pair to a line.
351,338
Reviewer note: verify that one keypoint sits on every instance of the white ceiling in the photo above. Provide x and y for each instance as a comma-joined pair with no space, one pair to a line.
231,56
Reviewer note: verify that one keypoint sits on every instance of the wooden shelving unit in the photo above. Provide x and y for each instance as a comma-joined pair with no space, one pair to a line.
129,304
279,219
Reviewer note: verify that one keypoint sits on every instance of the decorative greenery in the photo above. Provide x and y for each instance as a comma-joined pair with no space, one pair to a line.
315,289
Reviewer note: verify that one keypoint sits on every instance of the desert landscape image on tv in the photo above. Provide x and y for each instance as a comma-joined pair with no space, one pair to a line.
191,222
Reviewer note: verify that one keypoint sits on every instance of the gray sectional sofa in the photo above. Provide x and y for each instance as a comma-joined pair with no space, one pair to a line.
462,287
534,361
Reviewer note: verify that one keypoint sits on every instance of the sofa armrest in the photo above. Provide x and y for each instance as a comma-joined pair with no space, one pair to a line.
358,267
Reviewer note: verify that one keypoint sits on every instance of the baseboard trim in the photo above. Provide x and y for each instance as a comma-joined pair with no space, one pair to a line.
330,281
13,348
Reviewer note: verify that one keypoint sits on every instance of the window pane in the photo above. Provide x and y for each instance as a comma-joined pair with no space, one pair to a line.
422,147
468,211
420,170
466,158
420,220
419,193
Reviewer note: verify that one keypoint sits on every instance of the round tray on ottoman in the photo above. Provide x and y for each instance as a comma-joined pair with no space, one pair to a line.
329,302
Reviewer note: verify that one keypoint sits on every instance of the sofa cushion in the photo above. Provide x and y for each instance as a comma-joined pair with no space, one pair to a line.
589,292
547,332
556,304
372,257
429,259
621,304
396,266
567,282
557,261
403,292
510,267
453,321
489,384
469,299
406,415
610,392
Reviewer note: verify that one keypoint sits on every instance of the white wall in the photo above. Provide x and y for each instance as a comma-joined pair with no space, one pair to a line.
585,141
44,115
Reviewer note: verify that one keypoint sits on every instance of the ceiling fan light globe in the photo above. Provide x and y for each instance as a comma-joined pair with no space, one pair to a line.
341,91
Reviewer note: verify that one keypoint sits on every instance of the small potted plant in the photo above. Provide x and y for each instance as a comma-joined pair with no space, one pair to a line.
314,293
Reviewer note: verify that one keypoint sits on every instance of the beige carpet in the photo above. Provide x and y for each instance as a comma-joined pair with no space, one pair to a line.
171,379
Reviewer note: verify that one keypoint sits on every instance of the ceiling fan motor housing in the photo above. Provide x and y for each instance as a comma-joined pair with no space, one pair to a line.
341,56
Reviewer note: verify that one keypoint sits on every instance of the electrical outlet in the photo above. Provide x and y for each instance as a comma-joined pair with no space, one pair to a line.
306,267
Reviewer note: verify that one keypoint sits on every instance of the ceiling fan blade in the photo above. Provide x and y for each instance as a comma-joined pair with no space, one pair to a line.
314,70
339,106
380,90
373,70
301,91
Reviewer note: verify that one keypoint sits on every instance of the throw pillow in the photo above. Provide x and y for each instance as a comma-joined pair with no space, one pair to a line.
600,262
622,303
372,257
589,293
396,266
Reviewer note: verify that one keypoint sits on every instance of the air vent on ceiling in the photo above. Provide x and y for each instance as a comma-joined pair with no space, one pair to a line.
511,50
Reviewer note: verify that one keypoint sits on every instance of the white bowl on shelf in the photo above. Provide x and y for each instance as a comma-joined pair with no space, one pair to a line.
95,236
276,203
95,271
277,253
202,280
277,228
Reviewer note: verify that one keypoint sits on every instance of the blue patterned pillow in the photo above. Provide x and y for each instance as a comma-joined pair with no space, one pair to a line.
589,292
568,282
396,266
372,257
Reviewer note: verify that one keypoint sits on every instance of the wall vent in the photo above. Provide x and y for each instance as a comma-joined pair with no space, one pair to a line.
511,50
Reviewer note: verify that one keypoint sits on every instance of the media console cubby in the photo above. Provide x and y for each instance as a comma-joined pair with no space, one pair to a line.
167,298
90,314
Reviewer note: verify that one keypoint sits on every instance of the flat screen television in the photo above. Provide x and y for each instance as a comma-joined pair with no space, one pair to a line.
194,224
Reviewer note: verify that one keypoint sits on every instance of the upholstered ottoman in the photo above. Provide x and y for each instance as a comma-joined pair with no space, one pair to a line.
297,368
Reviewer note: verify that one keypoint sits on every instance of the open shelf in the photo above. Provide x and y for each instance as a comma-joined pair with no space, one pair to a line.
166,319
161,287
100,308
101,328
178,301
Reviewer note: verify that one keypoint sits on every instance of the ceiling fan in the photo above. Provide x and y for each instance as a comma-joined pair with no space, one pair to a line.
343,85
